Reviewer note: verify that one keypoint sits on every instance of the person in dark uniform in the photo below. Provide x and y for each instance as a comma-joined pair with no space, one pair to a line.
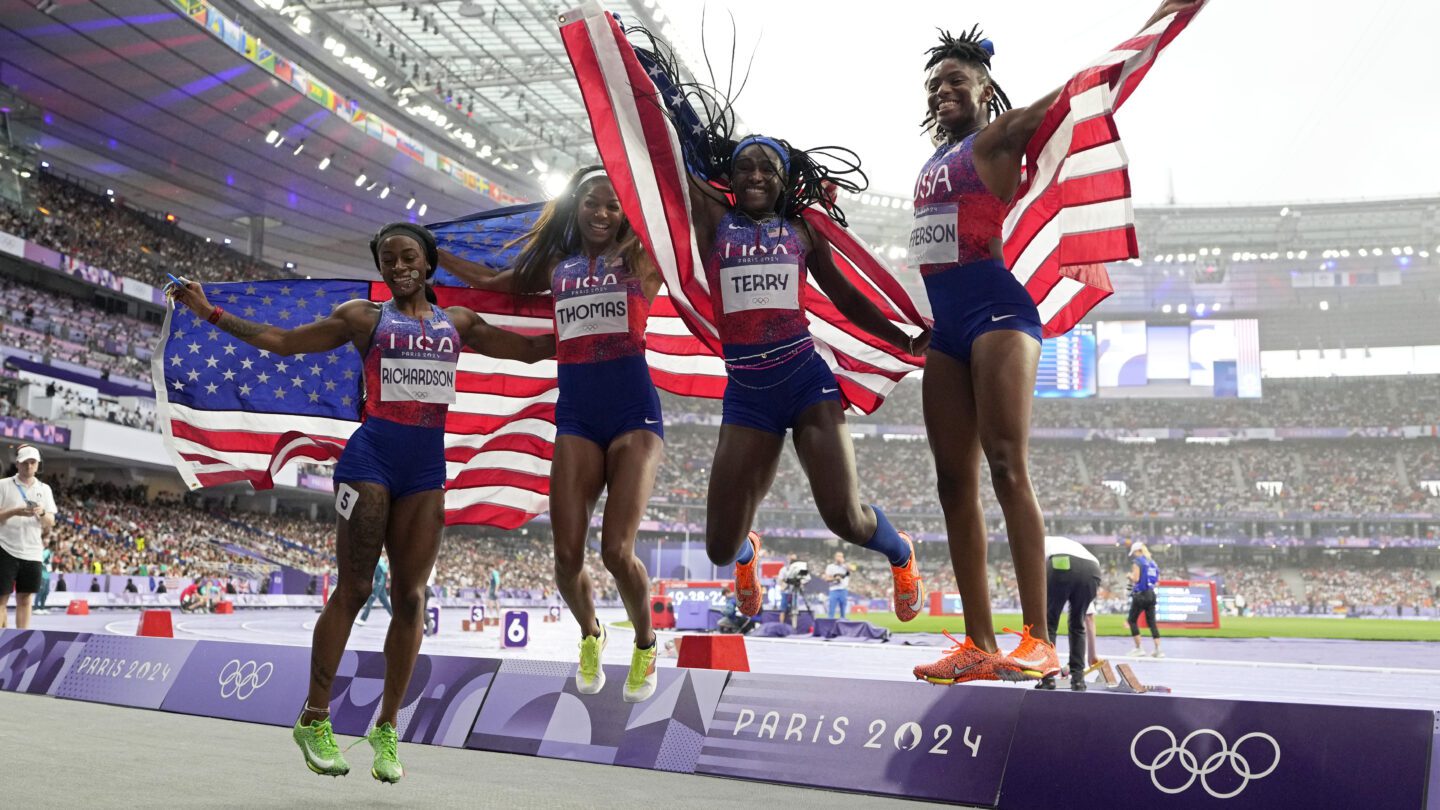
1072,576
1144,574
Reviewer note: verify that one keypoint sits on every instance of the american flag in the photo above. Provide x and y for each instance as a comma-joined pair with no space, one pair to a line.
645,157
1073,210
231,412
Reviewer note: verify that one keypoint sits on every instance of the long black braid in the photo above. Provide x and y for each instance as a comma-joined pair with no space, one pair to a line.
814,176
972,48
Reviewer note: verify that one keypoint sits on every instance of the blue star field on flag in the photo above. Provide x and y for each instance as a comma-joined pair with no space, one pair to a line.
208,369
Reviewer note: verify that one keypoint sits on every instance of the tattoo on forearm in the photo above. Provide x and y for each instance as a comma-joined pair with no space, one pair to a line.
239,327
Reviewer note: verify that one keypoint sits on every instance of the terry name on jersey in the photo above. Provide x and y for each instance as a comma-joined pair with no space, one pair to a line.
760,282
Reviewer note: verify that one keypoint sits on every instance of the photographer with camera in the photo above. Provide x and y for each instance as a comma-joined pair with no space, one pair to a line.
838,575
731,619
792,581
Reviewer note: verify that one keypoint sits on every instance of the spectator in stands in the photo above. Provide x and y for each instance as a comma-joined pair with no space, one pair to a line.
27,510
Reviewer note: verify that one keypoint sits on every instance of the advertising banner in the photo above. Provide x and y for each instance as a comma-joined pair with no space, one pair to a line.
536,709
125,670
1149,751
439,707
910,740
256,683
33,661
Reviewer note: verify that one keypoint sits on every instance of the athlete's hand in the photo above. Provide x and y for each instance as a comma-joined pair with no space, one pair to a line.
191,296
1169,7
920,343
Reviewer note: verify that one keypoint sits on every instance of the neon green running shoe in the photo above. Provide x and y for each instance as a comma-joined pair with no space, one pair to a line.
590,677
640,683
317,742
384,739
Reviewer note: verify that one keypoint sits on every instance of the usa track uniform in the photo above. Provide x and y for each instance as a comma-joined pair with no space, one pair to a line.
756,272
409,387
970,291
605,385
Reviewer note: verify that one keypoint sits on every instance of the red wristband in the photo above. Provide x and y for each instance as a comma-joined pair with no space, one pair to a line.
215,315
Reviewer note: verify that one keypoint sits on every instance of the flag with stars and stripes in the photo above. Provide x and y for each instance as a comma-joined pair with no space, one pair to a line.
648,136
231,412
1073,209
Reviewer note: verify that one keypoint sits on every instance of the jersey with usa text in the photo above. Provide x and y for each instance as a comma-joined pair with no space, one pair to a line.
956,216
600,310
756,272
410,367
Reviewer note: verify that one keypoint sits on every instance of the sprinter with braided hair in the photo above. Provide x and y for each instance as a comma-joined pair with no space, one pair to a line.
980,370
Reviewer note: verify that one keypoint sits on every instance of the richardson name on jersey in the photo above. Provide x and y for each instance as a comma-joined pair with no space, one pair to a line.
417,380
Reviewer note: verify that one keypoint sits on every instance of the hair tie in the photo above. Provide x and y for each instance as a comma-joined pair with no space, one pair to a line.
587,177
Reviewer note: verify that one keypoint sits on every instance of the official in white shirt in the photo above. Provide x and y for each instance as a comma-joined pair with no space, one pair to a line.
838,575
1072,576
27,511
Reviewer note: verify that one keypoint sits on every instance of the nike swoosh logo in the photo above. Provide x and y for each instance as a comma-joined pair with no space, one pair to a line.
652,421
959,670
994,318
735,227
828,390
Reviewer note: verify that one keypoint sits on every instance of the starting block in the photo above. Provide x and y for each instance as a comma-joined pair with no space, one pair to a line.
714,652
468,626
495,622
224,607
552,615
78,607
1128,681
156,624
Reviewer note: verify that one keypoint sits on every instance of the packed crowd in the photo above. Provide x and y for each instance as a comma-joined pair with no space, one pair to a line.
1348,587
60,327
526,565
104,233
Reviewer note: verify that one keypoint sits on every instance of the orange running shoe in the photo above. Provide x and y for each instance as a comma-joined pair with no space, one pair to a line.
909,590
748,592
1034,658
963,662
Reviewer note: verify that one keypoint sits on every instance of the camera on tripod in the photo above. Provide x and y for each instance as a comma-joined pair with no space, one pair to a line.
797,574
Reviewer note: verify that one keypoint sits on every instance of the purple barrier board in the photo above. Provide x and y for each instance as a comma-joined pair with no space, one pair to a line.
535,709
255,683
439,708
125,670
1152,750
901,739
33,661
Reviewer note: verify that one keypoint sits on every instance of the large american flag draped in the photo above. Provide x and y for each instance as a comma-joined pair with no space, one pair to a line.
1073,209
231,412
645,157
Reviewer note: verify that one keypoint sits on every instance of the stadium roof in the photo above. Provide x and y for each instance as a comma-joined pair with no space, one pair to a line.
131,95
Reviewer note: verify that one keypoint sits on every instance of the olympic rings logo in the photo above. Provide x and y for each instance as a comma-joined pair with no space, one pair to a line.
240,681
760,299
1191,763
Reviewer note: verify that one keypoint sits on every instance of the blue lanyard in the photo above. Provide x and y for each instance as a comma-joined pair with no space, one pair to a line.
24,496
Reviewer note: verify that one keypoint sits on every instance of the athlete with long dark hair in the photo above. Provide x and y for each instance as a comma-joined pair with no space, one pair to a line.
609,436
390,479
980,370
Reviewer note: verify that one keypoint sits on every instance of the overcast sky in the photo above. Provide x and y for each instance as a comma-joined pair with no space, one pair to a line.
1258,100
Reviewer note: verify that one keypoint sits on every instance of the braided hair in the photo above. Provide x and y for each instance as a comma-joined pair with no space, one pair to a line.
706,114
971,48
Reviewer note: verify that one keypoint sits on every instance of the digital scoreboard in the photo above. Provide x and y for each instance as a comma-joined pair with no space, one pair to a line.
1067,365
1181,603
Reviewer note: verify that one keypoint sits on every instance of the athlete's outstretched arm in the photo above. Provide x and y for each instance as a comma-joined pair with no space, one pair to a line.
477,275
501,343
858,309
1000,147
341,326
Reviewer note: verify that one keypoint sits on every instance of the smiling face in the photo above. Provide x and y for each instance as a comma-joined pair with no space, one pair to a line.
957,94
598,217
402,265
757,179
